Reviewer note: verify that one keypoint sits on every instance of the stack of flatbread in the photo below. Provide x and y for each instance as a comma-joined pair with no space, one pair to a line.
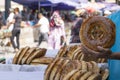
67,69
33,55
75,53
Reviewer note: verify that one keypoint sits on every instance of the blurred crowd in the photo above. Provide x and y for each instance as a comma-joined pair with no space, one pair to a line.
55,28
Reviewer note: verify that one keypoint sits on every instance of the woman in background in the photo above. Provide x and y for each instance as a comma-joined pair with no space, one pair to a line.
57,31
16,29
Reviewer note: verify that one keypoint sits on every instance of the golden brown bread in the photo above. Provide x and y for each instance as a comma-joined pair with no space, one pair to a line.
62,52
79,56
69,74
55,68
76,53
82,56
42,60
78,74
35,63
22,54
95,76
96,69
89,66
58,74
68,67
85,75
105,74
15,59
84,65
37,54
28,53
71,49
97,31
78,64
49,69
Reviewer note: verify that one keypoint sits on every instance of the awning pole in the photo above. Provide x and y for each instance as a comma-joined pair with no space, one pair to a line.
7,6
39,6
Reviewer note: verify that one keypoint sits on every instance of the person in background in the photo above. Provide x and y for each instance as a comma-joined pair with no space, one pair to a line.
10,19
24,14
81,15
1,19
16,30
57,31
43,24
112,54
36,31
33,19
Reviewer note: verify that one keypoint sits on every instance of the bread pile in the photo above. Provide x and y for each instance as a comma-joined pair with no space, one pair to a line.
69,64
32,56
67,69
75,53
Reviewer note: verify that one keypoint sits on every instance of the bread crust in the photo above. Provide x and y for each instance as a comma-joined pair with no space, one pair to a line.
42,60
15,59
37,54
95,76
26,56
55,68
105,74
97,31
85,75
78,74
22,54
69,75
58,74
49,69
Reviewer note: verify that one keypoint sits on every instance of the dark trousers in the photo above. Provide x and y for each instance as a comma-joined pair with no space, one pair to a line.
43,37
15,33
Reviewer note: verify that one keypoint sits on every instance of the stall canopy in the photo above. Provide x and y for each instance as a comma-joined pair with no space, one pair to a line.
55,4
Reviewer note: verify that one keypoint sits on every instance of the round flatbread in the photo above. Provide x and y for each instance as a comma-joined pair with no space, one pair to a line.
68,67
55,68
58,74
49,69
97,31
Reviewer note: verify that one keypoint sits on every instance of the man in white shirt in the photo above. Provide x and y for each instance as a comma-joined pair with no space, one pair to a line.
43,23
10,19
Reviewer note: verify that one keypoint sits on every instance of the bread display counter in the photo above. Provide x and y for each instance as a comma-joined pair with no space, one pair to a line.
65,64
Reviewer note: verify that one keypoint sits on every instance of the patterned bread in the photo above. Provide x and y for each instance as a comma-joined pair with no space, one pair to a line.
97,31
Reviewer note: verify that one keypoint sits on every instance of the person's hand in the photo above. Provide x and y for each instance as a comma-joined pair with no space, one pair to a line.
102,52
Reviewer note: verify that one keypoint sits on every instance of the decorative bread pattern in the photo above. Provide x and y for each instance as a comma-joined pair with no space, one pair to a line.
97,31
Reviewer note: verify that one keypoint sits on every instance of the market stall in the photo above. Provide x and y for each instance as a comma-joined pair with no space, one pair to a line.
69,62
35,72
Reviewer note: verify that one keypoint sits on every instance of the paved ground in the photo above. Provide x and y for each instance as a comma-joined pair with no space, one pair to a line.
26,39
